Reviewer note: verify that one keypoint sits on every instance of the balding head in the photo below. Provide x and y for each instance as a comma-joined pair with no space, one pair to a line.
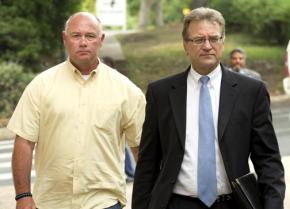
84,14
83,37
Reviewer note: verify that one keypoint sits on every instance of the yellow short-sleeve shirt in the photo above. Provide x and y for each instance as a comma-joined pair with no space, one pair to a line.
79,126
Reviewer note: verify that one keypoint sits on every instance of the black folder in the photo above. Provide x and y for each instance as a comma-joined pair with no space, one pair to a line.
246,192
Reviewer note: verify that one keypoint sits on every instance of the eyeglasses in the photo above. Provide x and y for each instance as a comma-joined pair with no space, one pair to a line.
88,36
201,40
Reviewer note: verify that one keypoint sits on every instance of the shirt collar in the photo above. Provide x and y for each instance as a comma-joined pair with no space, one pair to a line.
214,75
73,69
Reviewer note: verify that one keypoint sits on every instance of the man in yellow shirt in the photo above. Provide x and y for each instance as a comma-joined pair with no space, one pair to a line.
76,115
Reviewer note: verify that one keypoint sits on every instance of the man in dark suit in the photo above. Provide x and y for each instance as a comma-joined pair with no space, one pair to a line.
173,170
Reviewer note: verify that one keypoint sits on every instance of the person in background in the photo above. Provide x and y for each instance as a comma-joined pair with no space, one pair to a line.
202,126
129,164
238,64
75,116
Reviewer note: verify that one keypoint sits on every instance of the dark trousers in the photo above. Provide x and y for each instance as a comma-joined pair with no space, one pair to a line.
184,202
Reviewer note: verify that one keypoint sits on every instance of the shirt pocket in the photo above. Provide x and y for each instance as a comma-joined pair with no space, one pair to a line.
107,118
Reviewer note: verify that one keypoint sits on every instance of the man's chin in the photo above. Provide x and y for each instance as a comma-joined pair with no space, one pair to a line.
83,59
210,63
236,68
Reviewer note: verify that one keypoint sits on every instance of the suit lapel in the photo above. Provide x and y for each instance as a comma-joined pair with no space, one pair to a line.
177,98
228,94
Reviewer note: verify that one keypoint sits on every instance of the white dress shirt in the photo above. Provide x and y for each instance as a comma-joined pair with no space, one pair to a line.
186,183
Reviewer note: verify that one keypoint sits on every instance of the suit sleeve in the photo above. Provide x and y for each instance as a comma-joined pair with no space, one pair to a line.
148,164
265,154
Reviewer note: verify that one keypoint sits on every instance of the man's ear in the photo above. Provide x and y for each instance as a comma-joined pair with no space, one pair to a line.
64,37
103,37
185,48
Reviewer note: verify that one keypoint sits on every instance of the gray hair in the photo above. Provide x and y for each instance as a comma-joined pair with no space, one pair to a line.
82,14
203,13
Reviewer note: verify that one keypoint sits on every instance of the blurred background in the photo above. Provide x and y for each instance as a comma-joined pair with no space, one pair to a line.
30,38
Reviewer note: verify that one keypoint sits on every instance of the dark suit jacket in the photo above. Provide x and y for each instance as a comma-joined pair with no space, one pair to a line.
244,130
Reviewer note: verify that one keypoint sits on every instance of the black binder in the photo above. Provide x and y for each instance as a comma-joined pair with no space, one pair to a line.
246,192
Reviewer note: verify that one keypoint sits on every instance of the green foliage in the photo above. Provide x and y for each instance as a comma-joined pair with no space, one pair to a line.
132,13
15,34
12,83
89,6
256,48
156,53
133,8
269,19
172,10
31,31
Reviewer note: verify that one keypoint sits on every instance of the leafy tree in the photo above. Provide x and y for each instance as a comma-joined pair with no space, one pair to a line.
31,31
173,10
132,13
161,11
19,41
199,3
267,19
89,6
12,83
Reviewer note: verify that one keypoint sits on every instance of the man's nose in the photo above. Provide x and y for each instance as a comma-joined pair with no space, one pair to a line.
207,44
83,40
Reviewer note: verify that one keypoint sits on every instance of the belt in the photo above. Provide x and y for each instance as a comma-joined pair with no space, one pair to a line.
220,198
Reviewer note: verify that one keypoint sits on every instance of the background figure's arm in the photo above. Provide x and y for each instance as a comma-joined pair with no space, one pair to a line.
21,168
